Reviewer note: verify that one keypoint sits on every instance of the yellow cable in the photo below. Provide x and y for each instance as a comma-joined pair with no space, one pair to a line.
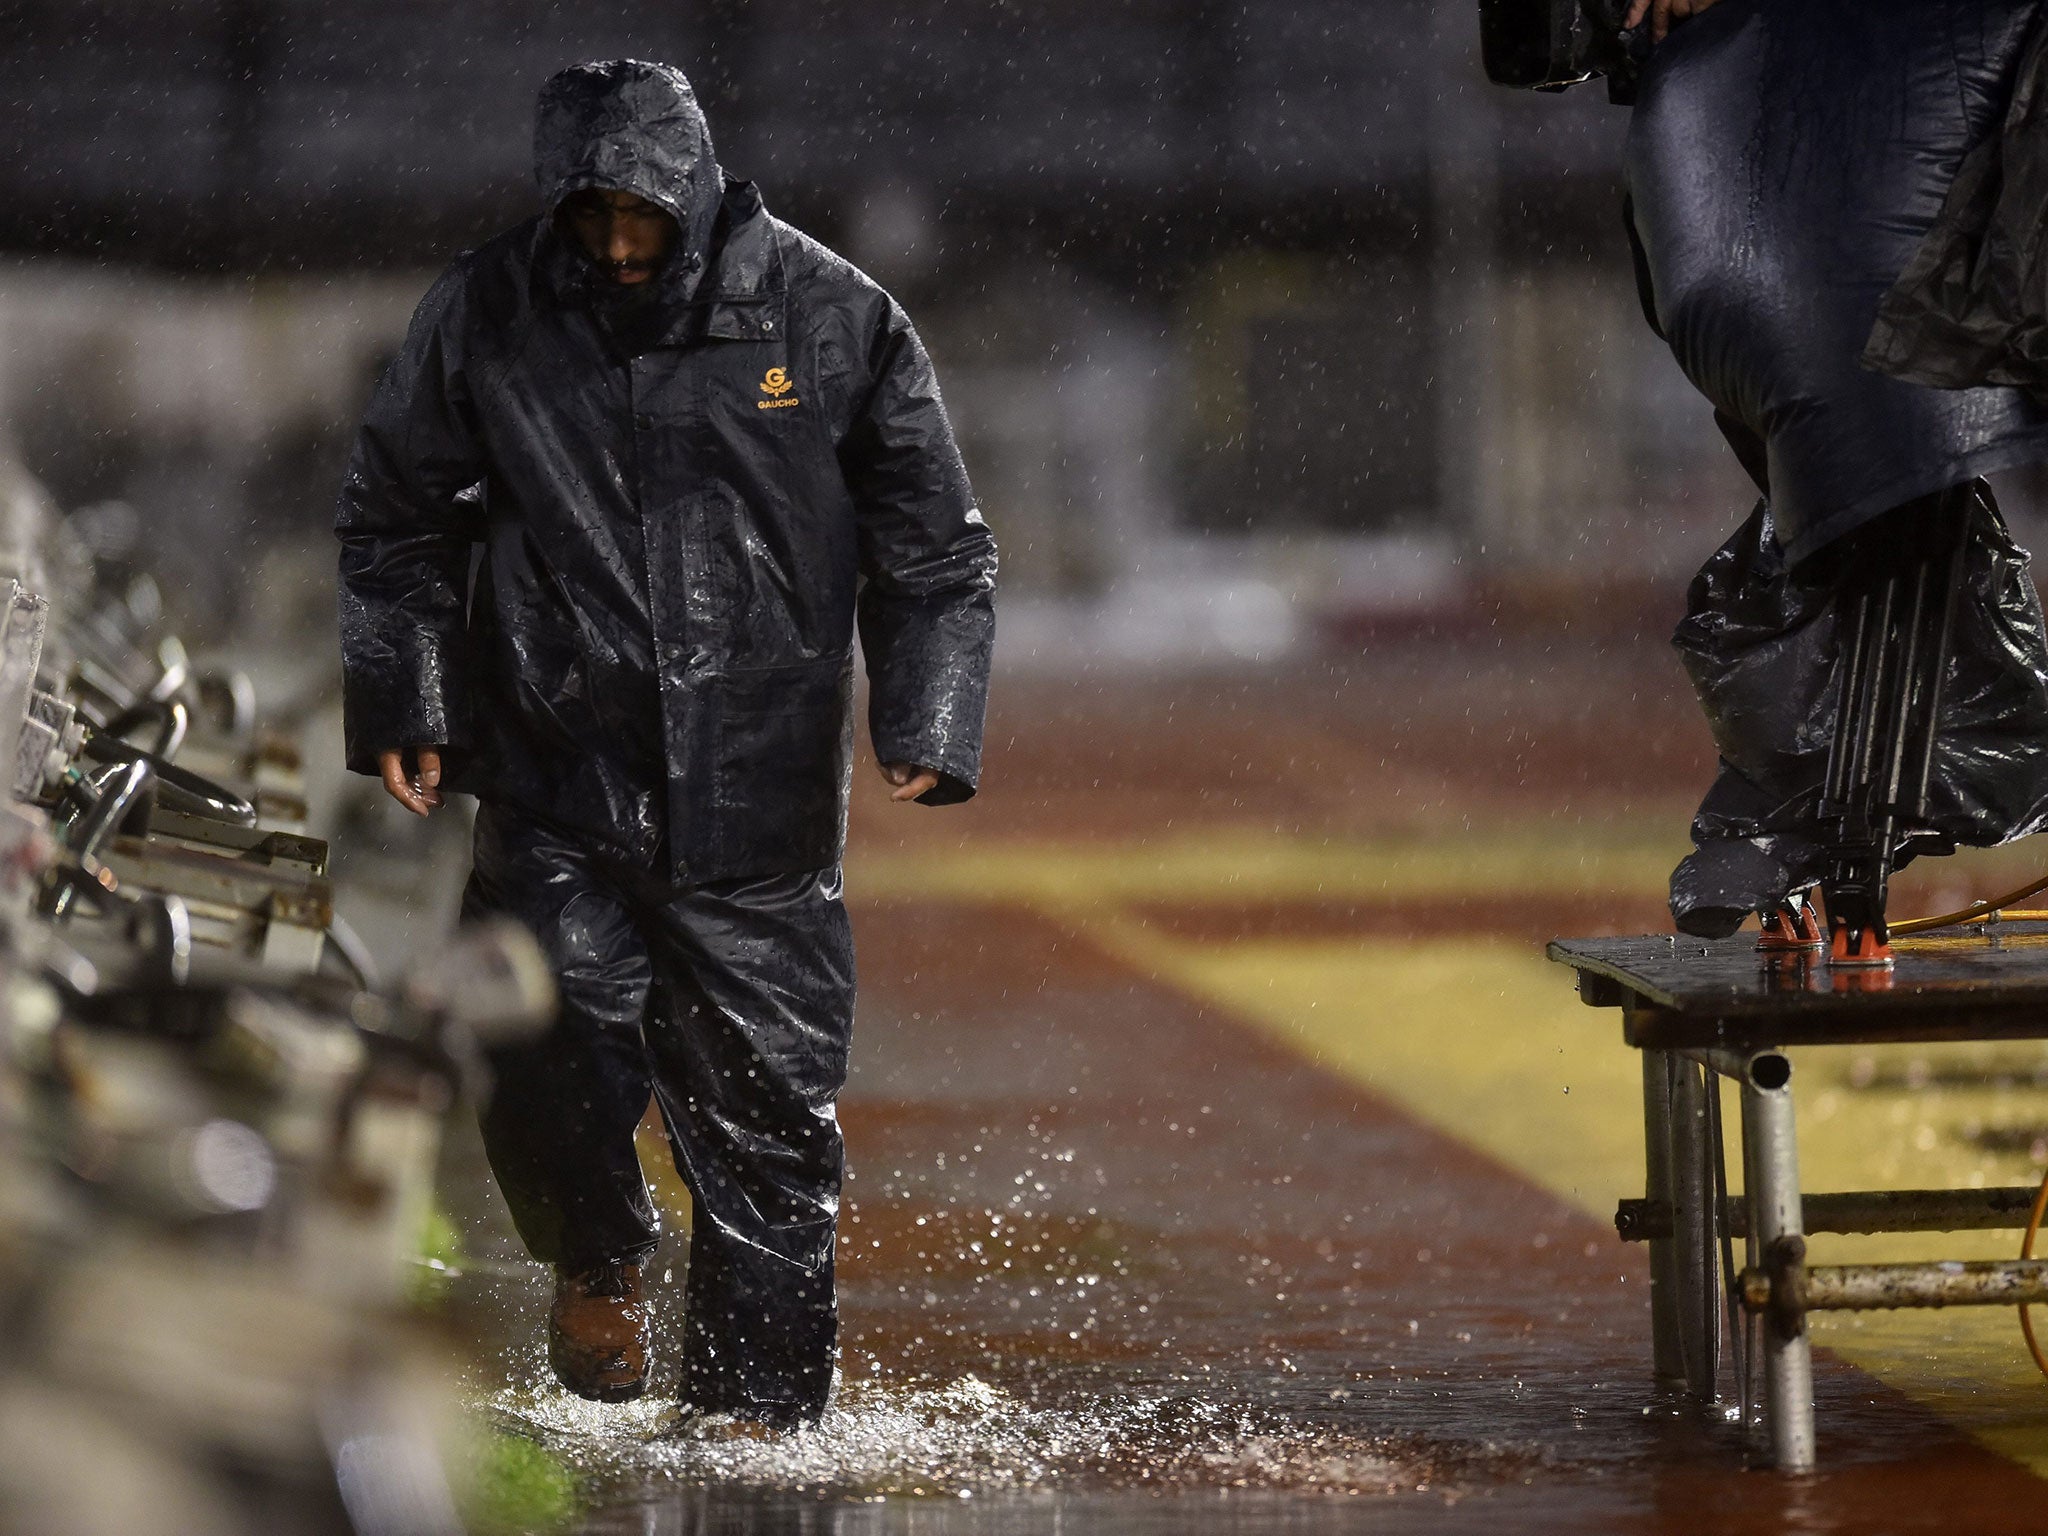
2027,1252
1976,911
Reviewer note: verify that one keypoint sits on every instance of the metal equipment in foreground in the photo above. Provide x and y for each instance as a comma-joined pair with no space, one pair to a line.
215,1191
1702,1012
217,1130
157,779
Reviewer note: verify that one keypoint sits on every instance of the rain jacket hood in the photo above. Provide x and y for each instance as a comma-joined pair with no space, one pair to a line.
630,126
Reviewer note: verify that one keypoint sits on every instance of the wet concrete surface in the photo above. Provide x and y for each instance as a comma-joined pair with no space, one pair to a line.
1111,1260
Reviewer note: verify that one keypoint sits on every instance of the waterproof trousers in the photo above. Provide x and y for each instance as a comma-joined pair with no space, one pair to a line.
731,1004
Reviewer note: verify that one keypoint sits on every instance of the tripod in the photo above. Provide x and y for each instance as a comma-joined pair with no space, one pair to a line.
1899,586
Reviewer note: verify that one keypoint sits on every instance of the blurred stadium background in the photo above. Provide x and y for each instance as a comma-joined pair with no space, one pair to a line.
1263,320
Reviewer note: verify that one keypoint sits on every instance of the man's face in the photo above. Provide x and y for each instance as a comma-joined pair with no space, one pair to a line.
627,236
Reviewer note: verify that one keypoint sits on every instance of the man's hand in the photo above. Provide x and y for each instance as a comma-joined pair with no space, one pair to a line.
419,794
1664,14
909,779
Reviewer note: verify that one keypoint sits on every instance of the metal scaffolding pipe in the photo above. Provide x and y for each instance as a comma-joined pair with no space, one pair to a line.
1667,1359
1874,1210
1874,1287
1693,1236
1772,1155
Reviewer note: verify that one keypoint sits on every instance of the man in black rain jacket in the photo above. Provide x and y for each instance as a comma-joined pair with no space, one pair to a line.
642,465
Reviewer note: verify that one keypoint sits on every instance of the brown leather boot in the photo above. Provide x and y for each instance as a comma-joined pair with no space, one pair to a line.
598,1333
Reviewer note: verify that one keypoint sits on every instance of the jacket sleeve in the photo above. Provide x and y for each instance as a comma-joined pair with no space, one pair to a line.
928,563
406,520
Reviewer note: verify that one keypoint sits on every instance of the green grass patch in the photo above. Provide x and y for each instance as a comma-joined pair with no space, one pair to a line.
509,1486
440,1255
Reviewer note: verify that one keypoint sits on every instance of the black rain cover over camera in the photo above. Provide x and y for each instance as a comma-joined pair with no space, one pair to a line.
1758,640
1971,307
1547,45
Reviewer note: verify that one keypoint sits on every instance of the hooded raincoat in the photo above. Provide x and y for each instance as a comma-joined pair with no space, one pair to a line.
682,500
611,547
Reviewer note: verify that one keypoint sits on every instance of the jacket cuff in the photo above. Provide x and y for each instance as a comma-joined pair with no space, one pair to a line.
412,706
950,790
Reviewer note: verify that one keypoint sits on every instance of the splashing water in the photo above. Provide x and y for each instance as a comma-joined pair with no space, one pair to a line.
969,1437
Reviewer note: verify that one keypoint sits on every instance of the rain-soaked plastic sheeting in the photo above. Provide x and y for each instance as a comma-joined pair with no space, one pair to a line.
731,1002
1972,306
1785,159
1758,639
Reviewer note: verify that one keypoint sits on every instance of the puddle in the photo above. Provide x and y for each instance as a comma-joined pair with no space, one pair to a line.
969,1437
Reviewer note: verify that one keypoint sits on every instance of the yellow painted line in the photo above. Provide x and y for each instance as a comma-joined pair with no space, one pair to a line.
1468,1035
1487,1042
1239,865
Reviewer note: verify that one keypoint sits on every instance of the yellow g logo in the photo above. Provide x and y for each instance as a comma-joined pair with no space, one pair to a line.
776,384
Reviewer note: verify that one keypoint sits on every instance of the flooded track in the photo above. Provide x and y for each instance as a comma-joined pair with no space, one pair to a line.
1115,1258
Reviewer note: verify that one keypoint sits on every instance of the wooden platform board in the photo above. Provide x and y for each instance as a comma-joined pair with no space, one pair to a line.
1988,983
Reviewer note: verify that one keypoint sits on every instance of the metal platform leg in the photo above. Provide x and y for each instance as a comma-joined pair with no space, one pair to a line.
1667,1356
1776,1220
1695,1263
